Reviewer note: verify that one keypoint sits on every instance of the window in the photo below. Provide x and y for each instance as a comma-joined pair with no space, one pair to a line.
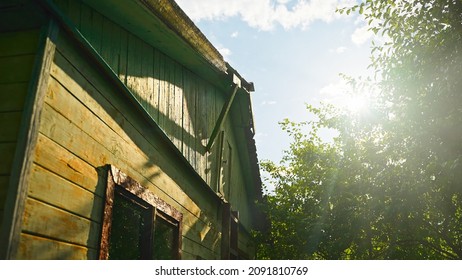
137,224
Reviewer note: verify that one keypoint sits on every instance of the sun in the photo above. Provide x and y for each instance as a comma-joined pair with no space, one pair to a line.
357,104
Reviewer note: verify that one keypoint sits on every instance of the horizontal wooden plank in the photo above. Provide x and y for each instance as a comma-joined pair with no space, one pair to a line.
131,146
7,152
56,158
136,138
48,221
59,128
194,247
25,16
12,96
54,190
16,68
39,248
9,126
19,42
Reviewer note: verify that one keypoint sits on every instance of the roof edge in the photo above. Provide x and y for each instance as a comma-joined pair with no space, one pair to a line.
179,22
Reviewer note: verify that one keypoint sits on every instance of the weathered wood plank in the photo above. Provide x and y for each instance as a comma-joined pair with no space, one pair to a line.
140,164
33,247
12,96
54,190
54,157
9,126
26,141
134,74
7,154
16,68
196,248
48,221
179,97
19,42
163,92
147,76
63,133
56,92
154,109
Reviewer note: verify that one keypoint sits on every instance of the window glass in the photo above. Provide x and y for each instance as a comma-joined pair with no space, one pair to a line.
130,229
164,240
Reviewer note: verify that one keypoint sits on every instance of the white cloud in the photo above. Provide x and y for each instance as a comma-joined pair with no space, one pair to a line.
339,50
266,14
234,34
269,102
361,35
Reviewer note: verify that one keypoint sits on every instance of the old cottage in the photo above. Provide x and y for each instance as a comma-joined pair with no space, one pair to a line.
123,135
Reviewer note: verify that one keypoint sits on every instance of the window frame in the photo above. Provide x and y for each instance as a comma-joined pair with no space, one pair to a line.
118,179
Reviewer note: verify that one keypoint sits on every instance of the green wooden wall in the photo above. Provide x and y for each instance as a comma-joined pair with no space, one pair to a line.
17,54
184,105
87,123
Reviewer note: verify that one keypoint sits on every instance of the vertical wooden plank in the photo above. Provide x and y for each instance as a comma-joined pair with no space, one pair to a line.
178,83
123,56
163,92
148,76
74,12
156,85
203,107
97,30
171,113
14,206
186,117
85,23
133,66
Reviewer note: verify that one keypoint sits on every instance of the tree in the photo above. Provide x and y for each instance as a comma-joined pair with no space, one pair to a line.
389,186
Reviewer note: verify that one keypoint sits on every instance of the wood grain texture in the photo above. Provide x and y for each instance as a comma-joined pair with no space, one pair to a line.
33,247
57,224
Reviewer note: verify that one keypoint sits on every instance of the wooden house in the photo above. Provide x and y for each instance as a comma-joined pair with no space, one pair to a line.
123,135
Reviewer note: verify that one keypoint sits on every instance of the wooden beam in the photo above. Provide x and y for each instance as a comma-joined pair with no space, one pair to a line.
222,117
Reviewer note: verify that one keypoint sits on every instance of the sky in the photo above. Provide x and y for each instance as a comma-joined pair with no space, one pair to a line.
293,51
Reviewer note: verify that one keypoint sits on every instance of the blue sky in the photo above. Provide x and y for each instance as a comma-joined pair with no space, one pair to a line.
293,50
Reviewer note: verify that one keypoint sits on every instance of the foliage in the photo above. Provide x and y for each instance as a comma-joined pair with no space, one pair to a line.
388,186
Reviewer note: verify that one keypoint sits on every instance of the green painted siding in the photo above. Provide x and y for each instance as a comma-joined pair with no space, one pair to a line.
17,53
184,105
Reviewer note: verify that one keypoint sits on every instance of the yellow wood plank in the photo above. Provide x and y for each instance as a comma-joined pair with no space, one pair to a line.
54,190
19,42
56,158
192,247
55,125
118,123
9,126
12,96
16,68
135,155
48,221
199,222
39,248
